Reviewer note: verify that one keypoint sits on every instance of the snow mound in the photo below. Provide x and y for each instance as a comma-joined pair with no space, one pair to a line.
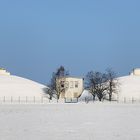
14,86
86,95
129,87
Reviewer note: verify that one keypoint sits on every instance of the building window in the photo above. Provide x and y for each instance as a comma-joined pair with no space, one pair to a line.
62,83
71,84
76,84
66,84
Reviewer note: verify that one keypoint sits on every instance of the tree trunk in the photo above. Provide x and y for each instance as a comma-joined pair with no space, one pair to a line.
93,97
110,97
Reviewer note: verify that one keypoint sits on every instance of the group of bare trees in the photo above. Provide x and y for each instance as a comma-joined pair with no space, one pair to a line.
57,87
102,84
97,83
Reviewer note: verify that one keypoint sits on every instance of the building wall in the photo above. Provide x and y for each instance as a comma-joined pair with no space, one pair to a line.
4,72
136,72
73,87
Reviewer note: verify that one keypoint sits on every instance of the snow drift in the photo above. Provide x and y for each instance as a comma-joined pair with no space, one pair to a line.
86,96
129,87
17,86
14,86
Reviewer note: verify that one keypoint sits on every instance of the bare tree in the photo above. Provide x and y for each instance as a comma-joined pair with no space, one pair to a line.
57,83
113,83
96,84
49,92
90,83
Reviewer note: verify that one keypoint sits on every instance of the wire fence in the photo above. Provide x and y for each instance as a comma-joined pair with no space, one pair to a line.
46,100
132,100
26,100
123,100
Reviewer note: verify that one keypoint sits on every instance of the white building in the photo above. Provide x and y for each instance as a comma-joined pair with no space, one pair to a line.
70,87
135,72
3,72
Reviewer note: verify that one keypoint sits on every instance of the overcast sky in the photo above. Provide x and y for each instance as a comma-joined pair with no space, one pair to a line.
37,36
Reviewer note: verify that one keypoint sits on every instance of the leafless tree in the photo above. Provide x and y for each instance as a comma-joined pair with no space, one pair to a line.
96,84
57,83
113,84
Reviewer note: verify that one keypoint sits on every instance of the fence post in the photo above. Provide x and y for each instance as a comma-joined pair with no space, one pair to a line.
42,100
117,99
11,99
34,99
124,100
19,99
132,100
4,99
26,99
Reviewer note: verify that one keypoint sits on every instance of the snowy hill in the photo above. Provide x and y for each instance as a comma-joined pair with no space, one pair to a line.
16,86
129,87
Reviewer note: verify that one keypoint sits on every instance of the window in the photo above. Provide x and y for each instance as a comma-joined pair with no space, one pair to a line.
76,84
71,84
62,84
66,84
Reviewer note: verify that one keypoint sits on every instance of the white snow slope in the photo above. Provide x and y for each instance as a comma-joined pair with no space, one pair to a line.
129,87
70,122
16,86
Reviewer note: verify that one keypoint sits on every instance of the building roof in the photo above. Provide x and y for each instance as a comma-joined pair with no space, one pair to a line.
71,77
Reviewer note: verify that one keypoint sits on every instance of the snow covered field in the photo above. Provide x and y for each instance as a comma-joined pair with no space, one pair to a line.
95,121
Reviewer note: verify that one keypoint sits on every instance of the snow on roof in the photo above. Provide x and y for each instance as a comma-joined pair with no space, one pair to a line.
71,77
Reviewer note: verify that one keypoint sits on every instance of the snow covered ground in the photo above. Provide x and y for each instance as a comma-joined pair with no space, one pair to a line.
94,121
